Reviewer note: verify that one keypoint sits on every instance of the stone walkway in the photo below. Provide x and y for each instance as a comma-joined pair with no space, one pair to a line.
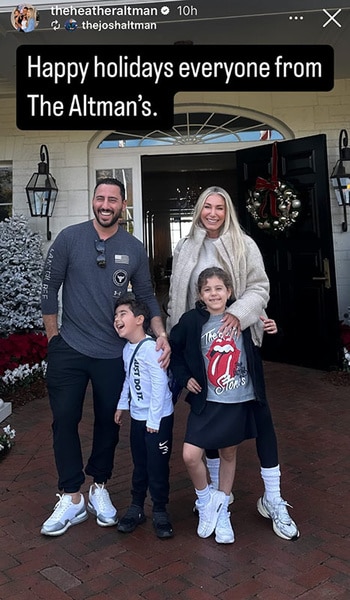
312,418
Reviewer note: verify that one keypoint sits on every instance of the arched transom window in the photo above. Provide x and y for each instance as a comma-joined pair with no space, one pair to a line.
197,128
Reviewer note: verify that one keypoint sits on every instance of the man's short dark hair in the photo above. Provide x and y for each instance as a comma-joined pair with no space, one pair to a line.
111,181
137,308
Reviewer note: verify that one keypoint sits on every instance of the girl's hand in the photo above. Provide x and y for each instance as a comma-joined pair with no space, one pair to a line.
269,325
151,430
193,386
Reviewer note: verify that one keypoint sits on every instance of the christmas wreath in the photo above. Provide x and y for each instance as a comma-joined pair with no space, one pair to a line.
273,204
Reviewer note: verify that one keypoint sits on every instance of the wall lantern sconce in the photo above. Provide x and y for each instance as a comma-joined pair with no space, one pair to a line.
42,190
340,177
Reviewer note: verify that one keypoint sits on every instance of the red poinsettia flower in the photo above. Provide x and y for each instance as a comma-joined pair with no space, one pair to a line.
21,349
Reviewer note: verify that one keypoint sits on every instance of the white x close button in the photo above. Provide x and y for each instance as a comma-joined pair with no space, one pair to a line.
332,18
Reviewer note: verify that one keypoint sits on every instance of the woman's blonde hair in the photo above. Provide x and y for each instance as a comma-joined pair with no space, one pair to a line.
231,224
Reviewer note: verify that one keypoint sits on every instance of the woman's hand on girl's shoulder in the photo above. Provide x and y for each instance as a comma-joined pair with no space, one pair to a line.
230,327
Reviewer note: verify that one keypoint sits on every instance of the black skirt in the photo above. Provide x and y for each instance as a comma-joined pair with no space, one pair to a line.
221,425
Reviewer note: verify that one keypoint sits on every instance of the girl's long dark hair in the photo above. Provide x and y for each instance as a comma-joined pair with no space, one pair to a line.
213,272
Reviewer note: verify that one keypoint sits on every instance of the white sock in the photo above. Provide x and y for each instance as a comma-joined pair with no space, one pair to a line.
272,481
213,465
203,496
225,503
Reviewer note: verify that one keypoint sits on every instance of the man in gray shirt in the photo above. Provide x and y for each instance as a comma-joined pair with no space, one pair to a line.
94,262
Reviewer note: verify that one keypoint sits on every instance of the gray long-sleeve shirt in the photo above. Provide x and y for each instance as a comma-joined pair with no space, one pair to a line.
89,291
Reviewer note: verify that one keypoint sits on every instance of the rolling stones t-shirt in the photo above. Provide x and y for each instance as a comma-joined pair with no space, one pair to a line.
226,364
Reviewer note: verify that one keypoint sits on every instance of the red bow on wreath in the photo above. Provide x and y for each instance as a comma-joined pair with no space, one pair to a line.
273,204
263,185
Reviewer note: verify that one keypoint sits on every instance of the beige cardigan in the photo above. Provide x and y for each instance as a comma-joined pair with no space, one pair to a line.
250,282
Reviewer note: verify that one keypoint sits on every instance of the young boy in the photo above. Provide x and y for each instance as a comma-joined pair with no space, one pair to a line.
146,393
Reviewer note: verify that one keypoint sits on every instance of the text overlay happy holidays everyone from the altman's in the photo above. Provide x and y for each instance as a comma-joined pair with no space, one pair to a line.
128,87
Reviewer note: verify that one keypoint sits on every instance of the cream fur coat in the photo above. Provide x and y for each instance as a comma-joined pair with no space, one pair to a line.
250,282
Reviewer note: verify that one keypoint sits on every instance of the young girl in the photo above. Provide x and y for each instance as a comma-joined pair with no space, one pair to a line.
216,370
216,238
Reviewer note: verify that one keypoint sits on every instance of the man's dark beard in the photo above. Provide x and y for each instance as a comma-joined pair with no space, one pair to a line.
112,222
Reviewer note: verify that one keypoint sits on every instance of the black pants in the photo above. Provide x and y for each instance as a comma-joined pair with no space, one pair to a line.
151,454
266,441
68,375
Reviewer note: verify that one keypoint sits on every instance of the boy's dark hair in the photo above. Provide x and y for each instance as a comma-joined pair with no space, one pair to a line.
137,308
214,272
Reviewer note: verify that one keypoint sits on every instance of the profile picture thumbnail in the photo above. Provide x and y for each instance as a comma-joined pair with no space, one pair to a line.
71,24
24,18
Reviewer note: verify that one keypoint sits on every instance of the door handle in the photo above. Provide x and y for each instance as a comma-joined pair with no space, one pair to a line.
327,276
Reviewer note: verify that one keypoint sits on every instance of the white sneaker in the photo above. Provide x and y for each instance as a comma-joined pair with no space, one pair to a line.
224,533
65,514
195,507
232,498
282,523
208,514
101,506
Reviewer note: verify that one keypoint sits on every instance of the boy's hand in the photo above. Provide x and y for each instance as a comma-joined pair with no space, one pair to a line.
193,386
118,416
152,430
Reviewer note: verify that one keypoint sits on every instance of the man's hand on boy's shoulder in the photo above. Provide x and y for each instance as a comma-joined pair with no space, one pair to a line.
163,344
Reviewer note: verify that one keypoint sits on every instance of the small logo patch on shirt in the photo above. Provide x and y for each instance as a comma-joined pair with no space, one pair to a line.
119,277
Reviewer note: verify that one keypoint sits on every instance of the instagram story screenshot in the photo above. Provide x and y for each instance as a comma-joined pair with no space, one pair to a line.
173,98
